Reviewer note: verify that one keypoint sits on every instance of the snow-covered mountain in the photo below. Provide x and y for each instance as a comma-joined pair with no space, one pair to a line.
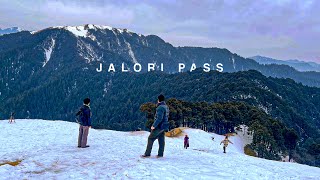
48,150
52,49
297,64
10,30
83,30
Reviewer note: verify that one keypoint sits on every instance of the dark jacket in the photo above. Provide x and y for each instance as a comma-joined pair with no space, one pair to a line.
85,115
186,140
161,118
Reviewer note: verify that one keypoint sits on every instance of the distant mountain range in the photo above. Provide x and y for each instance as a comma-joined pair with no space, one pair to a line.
53,49
297,64
10,30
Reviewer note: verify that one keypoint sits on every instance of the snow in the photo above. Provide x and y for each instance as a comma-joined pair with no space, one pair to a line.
116,35
244,134
264,108
92,37
82,31
131,53
87,51
120,30
10,30
48,151
48,52
107,87
34,32
92,26
244,96
233,63
19,29
145,42
77,30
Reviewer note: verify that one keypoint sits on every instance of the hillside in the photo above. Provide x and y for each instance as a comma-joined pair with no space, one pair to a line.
116,98
50,152
297,64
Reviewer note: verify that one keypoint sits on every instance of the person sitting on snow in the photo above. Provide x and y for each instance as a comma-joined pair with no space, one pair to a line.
225,142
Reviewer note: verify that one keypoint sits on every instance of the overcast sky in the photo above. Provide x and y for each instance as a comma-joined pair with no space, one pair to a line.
280,29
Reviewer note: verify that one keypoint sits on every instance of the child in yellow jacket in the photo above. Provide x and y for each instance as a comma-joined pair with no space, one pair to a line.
225,142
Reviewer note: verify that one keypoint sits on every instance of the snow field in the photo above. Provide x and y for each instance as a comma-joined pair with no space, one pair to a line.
48,150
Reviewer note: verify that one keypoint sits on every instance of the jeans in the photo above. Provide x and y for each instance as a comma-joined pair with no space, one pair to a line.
156,134
83,136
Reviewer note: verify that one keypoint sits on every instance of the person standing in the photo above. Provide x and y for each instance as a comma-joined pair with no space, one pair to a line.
186,142
225,142
11,120
85,123
159,127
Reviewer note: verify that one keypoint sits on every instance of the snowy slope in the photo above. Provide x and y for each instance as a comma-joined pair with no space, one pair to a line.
48,151
48,52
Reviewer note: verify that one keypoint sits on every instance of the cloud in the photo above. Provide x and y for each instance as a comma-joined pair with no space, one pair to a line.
42,14
284,29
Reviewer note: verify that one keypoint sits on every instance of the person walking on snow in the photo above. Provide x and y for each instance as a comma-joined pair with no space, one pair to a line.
186,142
11,120
85,123
225,142
159,127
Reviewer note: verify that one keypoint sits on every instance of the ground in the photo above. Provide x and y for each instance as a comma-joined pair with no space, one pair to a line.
48,150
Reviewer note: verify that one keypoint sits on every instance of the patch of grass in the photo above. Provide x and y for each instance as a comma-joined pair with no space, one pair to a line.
174,132
12,163
230,134
249,151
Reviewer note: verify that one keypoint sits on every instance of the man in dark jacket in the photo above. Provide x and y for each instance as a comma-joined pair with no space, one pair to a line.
85,123
159,127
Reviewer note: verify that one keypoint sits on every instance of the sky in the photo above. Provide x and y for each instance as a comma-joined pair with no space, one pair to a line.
282,29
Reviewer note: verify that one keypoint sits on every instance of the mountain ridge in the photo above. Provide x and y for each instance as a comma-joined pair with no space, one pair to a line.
10,30
297,64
